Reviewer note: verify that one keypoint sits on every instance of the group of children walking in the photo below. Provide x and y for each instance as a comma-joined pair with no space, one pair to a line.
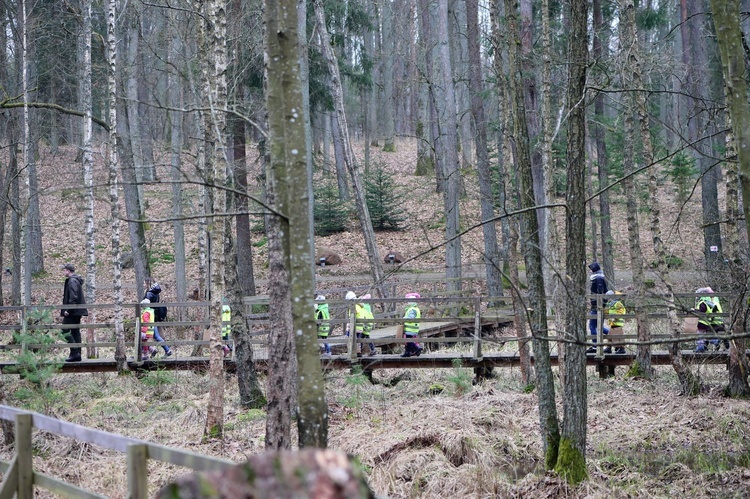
364,322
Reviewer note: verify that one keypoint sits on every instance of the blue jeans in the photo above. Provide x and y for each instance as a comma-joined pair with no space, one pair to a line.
593,323
159,339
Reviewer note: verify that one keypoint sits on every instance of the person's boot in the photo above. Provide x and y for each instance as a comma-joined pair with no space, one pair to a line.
75,355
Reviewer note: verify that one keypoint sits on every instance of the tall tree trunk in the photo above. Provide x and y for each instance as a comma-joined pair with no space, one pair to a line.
531,249
689,381
598,133
448,153
553,262
426,159
363,214
491,253
643,353
387,65
213,60
695,90
136,224
571,461
23,173
509,249
88,174
726,17
459,51
176,92
531,96
114,200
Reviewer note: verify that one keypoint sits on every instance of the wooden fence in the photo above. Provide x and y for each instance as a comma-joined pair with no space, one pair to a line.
464,319
20,477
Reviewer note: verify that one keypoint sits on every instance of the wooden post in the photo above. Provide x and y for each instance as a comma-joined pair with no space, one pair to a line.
477,331
138,471
24,424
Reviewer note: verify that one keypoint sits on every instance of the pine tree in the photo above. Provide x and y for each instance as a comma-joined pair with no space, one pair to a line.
384,201
329,212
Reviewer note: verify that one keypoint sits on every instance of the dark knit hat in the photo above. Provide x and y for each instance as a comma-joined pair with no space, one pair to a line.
595,267
69,266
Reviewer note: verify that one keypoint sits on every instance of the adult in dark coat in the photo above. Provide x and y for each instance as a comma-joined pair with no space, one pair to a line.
73,295
598,287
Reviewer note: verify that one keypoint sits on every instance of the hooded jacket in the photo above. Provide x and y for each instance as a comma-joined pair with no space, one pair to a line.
72,295
153,296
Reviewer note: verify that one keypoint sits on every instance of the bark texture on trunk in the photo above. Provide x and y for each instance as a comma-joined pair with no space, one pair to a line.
531,249
571,461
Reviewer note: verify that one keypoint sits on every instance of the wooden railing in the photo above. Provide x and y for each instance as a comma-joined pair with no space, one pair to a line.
437,312
20,477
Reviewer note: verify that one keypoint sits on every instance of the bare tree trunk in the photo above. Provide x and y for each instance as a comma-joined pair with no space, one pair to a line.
643,353
88,174
23,173
571,461
114,200
689,381
726,17
288,174
176,92
448,152
554,260
387,65
531,249
338,152
598,133
491,252
376,267
695,90
213,60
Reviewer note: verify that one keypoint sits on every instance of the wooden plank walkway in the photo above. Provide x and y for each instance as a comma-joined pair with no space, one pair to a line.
382,361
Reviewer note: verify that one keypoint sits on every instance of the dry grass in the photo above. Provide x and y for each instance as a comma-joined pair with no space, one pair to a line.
643,440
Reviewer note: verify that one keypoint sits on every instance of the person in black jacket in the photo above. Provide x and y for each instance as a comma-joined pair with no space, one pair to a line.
73,295
160,314
598,287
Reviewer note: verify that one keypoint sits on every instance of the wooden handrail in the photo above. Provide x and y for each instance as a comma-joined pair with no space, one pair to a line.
20,476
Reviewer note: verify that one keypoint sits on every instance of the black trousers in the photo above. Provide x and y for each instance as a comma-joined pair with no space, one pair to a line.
73,335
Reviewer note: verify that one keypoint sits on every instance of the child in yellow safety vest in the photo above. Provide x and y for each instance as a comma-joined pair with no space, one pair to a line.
147,329
411,327
226,328
361,328
323,316
615,308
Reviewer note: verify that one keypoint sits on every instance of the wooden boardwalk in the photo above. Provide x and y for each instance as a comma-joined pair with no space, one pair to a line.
483,331
432,360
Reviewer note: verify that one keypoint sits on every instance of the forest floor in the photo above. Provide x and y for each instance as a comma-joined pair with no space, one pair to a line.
432,434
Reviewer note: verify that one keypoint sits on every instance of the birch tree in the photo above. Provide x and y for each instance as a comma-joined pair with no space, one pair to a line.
88,172
114,199
214,85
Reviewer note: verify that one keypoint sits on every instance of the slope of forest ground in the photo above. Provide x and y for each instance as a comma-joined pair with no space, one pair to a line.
62,206
433,434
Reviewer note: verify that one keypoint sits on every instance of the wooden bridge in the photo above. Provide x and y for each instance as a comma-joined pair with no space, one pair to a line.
457,331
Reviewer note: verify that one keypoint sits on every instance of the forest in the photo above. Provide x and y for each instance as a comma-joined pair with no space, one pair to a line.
224,148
